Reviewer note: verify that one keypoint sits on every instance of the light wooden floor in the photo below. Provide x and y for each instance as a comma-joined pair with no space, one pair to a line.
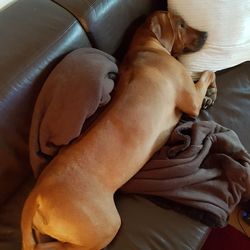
236,221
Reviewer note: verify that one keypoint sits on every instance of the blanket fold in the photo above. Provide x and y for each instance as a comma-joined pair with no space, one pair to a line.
74,90
203,166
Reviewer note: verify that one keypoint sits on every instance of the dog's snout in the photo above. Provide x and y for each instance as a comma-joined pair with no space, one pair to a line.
203,36
201,39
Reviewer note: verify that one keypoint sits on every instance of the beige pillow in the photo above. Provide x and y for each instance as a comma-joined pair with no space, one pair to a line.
228,25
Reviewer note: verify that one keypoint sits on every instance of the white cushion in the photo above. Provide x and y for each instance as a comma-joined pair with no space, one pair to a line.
228,25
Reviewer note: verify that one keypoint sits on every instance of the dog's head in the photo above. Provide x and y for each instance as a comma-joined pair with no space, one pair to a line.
174,34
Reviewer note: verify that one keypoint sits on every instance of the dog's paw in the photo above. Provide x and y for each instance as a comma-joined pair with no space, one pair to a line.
208,77
207,102
210,98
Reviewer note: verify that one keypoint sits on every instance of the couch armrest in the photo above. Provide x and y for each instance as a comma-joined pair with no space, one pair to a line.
35,34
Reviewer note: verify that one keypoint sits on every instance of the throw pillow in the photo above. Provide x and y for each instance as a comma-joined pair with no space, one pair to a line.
227,23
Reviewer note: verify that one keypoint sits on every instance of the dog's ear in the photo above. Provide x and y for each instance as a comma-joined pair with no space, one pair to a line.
161,26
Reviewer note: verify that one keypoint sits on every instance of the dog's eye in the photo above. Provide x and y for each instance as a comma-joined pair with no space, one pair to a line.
182,24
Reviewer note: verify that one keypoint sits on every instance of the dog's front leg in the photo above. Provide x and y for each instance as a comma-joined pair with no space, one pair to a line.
206,88
211,95
191,98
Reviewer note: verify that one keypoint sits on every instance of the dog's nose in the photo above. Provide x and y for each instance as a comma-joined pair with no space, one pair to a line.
203,36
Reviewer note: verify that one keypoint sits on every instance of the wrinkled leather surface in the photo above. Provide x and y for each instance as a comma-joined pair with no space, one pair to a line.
34,35
106,21
232,107
146,226
10,217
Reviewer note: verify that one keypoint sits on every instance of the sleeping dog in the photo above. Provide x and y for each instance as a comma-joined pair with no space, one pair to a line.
72,202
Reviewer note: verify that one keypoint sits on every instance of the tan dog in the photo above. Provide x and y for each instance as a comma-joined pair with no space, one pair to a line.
72,201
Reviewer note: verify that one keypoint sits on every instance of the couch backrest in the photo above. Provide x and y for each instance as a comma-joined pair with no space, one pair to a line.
35,35
106,21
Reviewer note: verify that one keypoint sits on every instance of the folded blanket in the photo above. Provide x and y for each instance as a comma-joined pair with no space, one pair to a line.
203,166
74,90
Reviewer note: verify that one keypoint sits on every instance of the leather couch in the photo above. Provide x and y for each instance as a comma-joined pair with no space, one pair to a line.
34,37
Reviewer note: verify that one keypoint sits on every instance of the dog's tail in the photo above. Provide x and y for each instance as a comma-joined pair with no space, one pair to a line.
28,238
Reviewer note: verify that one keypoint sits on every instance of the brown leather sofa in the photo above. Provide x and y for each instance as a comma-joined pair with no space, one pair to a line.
34,36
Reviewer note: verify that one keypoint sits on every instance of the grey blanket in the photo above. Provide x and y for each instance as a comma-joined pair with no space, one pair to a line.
74,90
203,166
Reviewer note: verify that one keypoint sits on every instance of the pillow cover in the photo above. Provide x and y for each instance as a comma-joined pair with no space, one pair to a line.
227,23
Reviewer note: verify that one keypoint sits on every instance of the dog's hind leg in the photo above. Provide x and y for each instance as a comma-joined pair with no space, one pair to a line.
58,246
